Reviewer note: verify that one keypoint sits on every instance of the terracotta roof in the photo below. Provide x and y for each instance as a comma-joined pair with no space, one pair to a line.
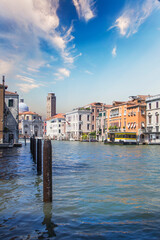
11,93
137,105
108,106
28,113
97,104
59,115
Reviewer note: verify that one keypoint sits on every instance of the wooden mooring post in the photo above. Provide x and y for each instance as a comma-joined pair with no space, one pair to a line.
25,140
47,171
34,149
39,156
31,144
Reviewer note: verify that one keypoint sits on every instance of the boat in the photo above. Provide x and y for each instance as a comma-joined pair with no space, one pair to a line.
124,138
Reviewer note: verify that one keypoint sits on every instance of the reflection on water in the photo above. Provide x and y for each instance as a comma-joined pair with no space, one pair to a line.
47,210
99,192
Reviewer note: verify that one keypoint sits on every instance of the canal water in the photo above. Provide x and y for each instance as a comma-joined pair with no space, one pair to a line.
99,192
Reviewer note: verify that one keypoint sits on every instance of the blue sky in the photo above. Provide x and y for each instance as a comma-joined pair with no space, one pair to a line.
83,50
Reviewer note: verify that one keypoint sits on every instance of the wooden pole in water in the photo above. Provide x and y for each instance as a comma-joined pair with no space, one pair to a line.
39,156
34,150
25,140
30,144
47,171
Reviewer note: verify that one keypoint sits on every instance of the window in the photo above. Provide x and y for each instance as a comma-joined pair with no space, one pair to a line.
79,126
149,105
59,131
92,118
92,127
10,103
80,118
149,119
97,110
87,126
156,104
157,128
27,117
87,117
59,125
157,119
92,110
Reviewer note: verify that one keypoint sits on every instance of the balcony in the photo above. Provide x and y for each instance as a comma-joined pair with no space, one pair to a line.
115,130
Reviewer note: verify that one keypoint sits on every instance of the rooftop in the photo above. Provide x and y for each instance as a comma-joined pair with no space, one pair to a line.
59,115
152,98
11,93
28,113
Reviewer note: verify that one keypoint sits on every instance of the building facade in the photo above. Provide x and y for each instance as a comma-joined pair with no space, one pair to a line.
55,127
2,107
95,108
153,119
30,124
11,117
78,122
51,105
101,132
129,116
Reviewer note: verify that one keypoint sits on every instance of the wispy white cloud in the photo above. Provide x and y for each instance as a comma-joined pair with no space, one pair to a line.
25,79
62,73
114,51
88,72
29,84
30,21
5,66
32,69
24,87
133,16
85,9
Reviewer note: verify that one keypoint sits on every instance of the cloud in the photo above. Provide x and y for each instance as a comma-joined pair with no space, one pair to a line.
88,72
133,16
25,79
114,51
26,22
62,73
84,9
32,69
24,87
29,84
5,67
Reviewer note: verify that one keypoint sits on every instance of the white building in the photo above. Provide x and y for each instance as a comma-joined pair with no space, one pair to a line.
101,126
30,123
55,127
77,122
153,119
11,132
